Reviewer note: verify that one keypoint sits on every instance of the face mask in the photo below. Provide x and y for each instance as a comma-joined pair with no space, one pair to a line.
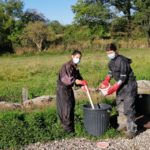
76,60
112,55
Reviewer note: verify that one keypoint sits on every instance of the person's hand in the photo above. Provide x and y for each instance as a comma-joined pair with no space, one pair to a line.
84,88
105,83
97,89
113,89
83,82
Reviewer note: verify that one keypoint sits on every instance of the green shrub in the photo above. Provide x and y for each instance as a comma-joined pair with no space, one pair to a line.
19,128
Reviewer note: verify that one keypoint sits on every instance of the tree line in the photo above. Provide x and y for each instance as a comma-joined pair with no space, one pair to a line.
94,19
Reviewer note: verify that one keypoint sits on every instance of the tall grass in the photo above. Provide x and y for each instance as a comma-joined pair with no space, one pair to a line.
39,72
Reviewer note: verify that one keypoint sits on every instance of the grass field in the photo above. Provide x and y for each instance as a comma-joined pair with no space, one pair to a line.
39,72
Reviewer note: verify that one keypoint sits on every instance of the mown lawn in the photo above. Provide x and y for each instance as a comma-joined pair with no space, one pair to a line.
39,72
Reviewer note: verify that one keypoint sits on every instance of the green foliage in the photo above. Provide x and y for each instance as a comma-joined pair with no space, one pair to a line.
57,27
74,34
13,8
126,7
119,27
142,17
93,14
19,128
79,125
94,19
9,11
31,15
123,6
111,133
15,35
36,33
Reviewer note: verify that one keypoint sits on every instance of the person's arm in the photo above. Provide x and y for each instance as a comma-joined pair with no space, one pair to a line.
66,77
106,81
122,79
78,75
124,71
79,79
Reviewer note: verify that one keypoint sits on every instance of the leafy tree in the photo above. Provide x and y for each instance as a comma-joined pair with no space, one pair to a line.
56,26
142,16
31,15
74,33
13,8
94,14
126,7
119,27
36,33
10,12
14,37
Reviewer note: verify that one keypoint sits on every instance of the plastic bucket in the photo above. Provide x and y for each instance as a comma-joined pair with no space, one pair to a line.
96,121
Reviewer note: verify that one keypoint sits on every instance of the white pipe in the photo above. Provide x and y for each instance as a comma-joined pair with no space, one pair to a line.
88,94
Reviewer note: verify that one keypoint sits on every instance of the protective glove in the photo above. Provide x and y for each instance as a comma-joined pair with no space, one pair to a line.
113,89
83,82
105,82
84,88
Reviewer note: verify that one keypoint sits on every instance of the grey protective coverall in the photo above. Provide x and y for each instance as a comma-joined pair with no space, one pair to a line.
65,96
120,69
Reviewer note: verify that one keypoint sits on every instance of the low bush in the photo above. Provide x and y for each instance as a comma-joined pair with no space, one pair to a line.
20,128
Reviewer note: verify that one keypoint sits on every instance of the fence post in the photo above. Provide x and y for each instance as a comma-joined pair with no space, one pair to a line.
24,94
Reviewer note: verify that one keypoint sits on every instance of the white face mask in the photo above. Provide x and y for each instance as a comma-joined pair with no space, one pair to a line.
76,60
111,56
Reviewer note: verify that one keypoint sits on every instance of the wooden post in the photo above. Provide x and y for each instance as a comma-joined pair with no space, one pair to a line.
24,94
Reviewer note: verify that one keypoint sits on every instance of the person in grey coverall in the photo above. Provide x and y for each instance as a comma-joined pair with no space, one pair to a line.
125,88
68,76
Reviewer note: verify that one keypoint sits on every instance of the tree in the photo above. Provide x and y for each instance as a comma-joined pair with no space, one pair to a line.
10,12
56,26
94,14
13,8
36,33
126,7
119,27
142,17
31,15
74,33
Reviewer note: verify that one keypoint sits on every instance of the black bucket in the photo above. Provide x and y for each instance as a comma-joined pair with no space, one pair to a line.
143,104
96,121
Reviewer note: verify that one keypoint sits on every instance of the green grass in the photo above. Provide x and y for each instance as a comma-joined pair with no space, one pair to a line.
39,72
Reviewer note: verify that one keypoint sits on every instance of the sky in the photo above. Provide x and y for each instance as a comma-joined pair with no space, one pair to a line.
53,9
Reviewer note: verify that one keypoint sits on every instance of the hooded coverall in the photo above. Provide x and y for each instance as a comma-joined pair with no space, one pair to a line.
65,96
119,69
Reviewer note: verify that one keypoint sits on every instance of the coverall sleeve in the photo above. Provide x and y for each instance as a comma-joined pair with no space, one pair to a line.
123,70
66,76
109,71
78,75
